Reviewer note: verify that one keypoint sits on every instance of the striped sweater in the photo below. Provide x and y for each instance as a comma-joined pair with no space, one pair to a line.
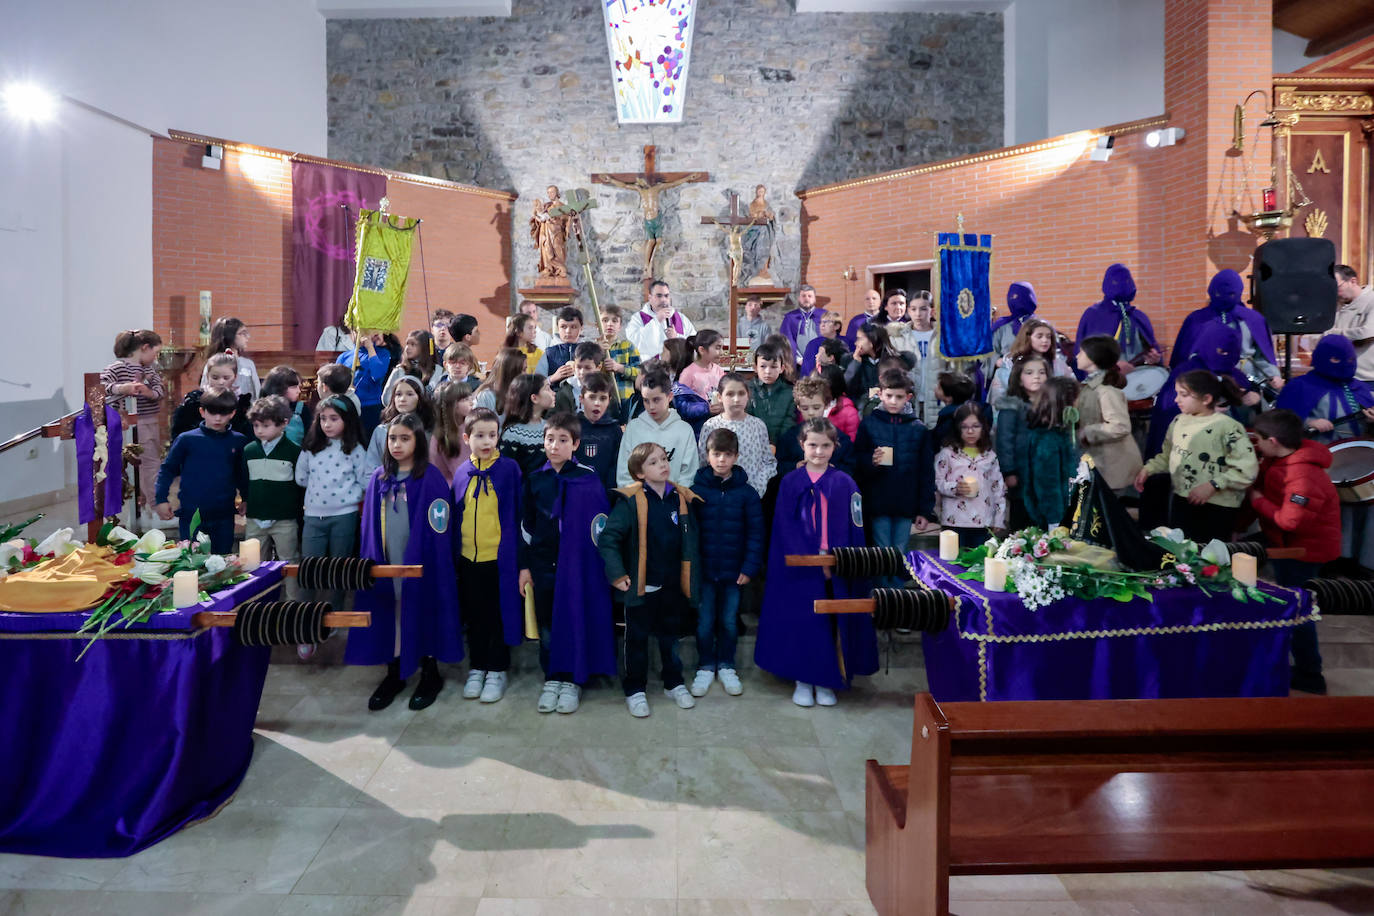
272,490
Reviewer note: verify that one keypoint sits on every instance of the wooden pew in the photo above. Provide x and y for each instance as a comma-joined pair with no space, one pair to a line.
1119,786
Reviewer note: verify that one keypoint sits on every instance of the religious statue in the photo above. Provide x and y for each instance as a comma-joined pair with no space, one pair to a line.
648,200
757,243
550,226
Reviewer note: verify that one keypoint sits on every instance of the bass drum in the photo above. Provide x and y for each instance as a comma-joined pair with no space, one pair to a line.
1142,384
1352,469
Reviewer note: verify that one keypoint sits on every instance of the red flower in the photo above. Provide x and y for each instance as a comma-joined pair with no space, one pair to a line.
1210,571
123,558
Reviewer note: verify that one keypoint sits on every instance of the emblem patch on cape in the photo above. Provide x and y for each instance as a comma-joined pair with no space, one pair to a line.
438,515
598,526
856,510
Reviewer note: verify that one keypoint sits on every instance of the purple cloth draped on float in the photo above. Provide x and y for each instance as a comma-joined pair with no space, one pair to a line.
111,754
83,434
114,461
1226,648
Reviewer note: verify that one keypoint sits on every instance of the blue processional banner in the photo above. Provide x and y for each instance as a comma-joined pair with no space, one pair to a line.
963,294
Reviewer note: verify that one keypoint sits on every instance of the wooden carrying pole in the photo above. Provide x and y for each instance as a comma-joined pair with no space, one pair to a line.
840,605
337,619
378,572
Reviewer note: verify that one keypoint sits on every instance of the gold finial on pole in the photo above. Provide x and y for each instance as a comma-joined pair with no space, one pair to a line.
960,220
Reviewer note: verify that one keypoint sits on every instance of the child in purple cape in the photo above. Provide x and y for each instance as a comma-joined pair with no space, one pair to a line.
486,547
406,520
818,508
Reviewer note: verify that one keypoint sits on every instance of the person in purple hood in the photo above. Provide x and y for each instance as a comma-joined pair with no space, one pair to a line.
1116,317
1021,304
1334,405
1217,349
1225,291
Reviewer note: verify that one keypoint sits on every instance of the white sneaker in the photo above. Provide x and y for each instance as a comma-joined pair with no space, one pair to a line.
803,696
639,705
825,697
702,682
569,696
681,696
473,688
495,686
548,697
730,681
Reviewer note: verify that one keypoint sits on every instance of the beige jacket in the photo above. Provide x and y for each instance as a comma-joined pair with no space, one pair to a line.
1355,320
1104,432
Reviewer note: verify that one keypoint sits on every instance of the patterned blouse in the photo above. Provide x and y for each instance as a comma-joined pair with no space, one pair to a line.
755,453
986,509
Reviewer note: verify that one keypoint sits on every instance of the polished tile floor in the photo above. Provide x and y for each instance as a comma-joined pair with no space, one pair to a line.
744,805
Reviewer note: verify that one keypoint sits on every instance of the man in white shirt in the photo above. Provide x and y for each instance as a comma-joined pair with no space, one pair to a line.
1355,319
656,322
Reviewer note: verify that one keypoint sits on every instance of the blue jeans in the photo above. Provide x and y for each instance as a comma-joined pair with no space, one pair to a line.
220,531
329,536
888,531
717,624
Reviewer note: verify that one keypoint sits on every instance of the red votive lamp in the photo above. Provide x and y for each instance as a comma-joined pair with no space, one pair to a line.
1271,199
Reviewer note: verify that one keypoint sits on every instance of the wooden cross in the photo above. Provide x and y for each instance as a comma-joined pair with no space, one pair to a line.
734,225
649,184
651,176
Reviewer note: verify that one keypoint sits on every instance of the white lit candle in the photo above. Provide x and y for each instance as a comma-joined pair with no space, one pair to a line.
949,545
185,588
250,552
995,574
972,484
1245,568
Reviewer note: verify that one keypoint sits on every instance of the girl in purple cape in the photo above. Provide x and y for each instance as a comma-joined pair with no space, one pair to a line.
406,520
818,508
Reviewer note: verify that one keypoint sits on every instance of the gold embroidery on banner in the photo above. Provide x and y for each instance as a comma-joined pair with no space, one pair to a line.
1318,164
1315,224
966,302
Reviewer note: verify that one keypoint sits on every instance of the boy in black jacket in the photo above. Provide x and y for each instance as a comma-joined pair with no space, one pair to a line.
601,432
895,464
731,556
655,583
209,461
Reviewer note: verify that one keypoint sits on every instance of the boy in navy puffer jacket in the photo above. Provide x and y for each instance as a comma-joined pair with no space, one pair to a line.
732,555
895,461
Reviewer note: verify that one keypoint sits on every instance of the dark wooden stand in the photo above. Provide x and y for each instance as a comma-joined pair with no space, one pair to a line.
1119,786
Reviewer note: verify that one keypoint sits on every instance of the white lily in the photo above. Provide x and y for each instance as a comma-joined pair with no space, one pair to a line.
1174,534
59,543
165,555
1216,552
11,550
152,573
120,535
151,542
215,564
202,538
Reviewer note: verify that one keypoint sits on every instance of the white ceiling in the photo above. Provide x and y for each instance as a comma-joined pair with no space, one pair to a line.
421,9
410,9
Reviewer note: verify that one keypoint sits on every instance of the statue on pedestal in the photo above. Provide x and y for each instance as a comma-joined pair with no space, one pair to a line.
550,226
757,243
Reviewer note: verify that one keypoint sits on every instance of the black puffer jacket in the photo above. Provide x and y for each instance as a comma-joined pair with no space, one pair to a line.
906,488
731,523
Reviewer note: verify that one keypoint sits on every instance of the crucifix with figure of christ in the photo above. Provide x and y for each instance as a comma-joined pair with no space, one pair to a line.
648,184
734,226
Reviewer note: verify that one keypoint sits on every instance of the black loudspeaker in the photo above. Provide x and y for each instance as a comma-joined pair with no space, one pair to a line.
1295,285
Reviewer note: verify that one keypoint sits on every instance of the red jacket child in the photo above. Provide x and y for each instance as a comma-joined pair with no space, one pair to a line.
1297,503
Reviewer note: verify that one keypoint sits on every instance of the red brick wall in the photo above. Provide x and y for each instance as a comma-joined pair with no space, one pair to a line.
1058,217
229,231
1061,218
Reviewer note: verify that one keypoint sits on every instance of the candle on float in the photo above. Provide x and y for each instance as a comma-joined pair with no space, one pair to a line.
185,588
949,545
250,553
995,574
1245,569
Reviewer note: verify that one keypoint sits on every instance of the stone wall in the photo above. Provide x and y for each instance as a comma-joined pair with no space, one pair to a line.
774,97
